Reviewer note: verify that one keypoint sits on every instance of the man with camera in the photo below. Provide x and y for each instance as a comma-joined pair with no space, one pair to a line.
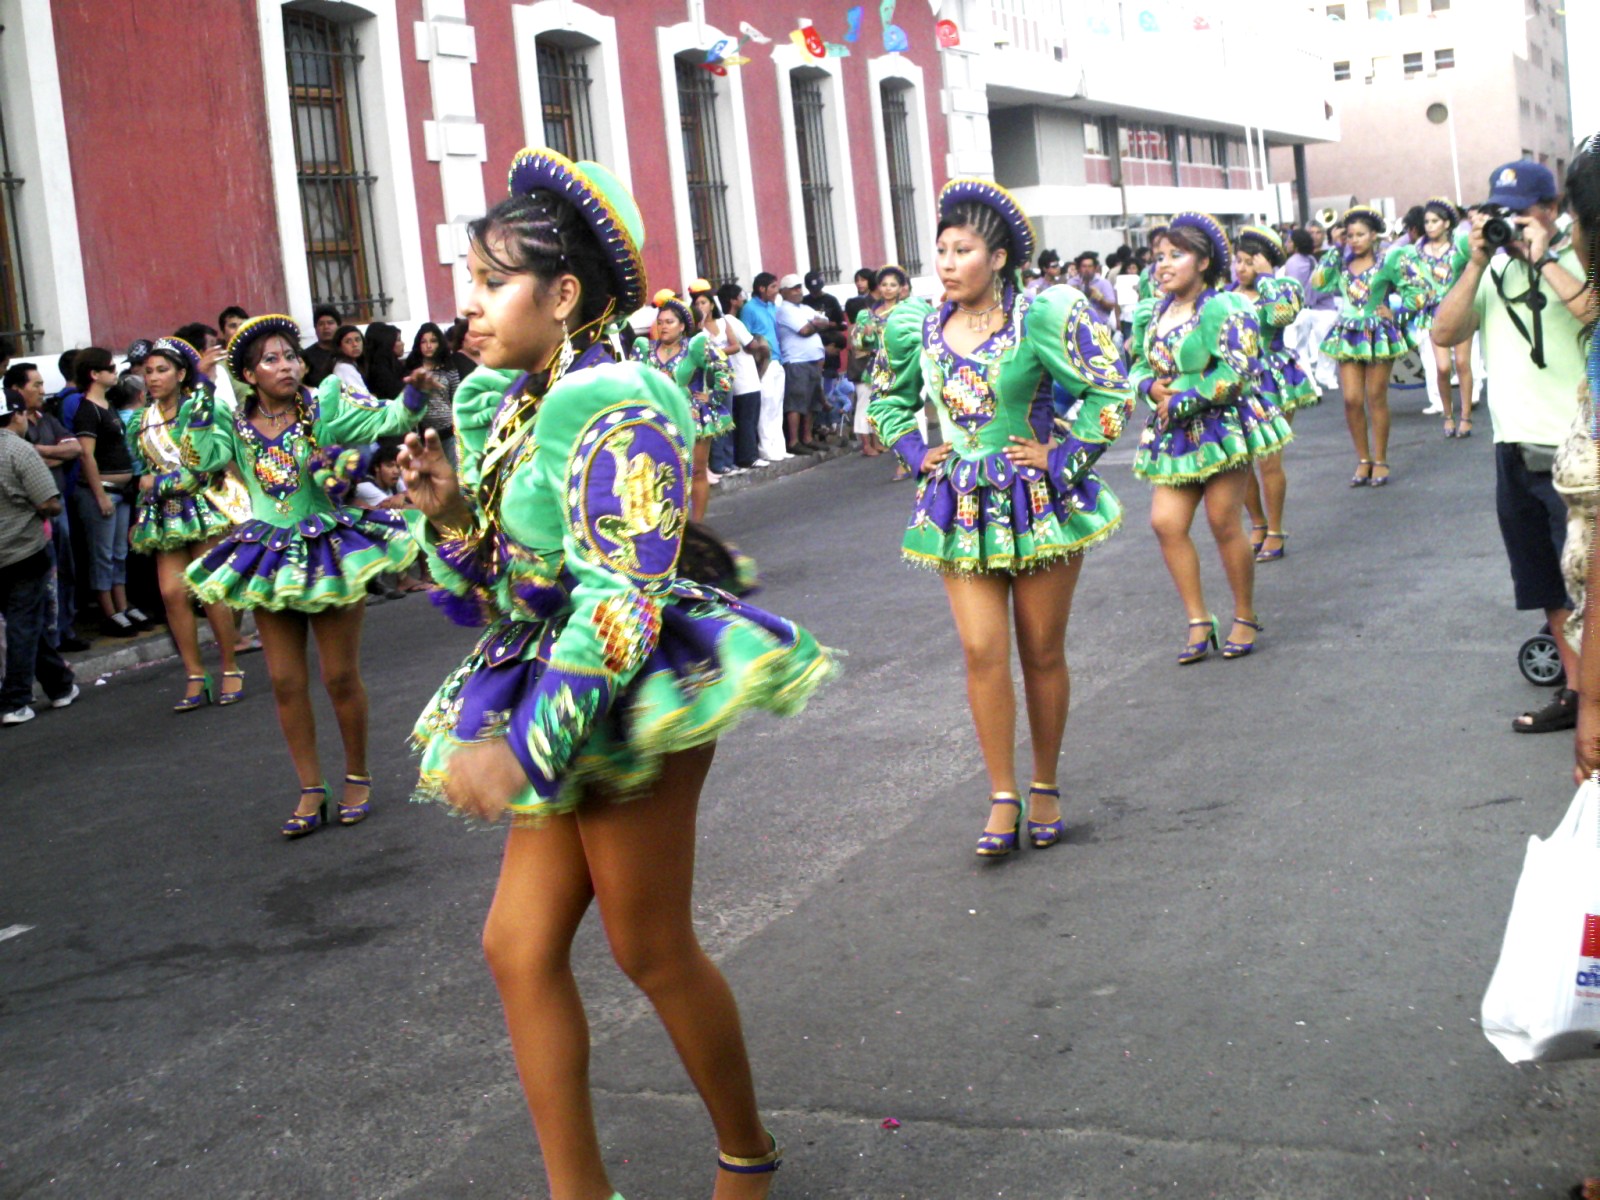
1523,287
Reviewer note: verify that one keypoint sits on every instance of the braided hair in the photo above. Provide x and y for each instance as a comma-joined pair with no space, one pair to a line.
991,227
1583,201
1187,237
542,234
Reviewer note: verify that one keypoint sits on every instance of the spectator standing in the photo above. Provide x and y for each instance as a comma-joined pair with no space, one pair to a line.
383,352
835,337
747,362
103,500
1125,285
1321,311
800,345
428,349
384,489
866,282
1049,272
464,356
229,320
713,323
206,341
348,346
65,402
760,317
28,497
1101,295
318,356
60,451
1534,350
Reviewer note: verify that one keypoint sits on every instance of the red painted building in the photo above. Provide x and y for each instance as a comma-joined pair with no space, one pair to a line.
169,159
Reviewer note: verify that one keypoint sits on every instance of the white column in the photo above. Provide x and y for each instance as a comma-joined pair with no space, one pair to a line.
453,137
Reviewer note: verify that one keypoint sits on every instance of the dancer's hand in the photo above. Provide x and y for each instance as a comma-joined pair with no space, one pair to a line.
1161,396
431,481
209,360
482,779
934,457
1586,740
425,379
1025,452
1384,311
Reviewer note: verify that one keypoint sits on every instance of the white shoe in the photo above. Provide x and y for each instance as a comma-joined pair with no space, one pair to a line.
760,462
18,717
66,701
1432,409
713,478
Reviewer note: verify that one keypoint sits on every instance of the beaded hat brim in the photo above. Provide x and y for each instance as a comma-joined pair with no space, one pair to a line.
1260,239
1367,212
990,194
176,345
1222,252
1442,208
254,329
605,205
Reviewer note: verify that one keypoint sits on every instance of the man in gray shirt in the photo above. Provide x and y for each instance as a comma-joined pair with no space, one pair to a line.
28,497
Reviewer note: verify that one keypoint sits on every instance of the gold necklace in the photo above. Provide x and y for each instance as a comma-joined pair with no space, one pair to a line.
977,318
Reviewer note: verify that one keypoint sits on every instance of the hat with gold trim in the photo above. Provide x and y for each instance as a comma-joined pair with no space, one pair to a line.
1365,212
991,195
668,299
1442,208
605,205
178,352
253,330
1258,239
1221,252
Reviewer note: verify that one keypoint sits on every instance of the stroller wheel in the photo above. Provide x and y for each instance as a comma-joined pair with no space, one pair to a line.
1540,661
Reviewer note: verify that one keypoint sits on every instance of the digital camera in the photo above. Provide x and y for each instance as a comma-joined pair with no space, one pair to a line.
1499,230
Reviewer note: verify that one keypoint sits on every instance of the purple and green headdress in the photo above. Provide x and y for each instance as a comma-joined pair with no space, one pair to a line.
1365,212
1258,239
1443,209
605,205
668,299
1221,252
179,353
252,331
991,195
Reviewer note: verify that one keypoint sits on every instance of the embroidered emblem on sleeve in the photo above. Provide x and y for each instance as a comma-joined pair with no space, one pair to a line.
626,491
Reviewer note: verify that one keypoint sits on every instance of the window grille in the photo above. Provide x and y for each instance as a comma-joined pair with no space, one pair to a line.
330,154
1411,64
564,98
902,188
702,163
16,318
1444,59
816,192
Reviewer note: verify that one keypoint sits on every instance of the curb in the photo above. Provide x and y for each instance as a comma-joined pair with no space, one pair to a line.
752,476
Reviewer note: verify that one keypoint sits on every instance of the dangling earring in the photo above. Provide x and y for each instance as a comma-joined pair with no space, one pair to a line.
564,356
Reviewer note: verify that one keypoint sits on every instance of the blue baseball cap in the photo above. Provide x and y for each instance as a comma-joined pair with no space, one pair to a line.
1522,184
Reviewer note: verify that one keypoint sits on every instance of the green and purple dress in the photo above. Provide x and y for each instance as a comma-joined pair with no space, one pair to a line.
302,550
1360,333
705,375
182,507
977,511
1217,419
1283,383
598,658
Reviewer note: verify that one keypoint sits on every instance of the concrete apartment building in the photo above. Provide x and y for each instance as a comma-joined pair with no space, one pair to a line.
1104,116
1434,94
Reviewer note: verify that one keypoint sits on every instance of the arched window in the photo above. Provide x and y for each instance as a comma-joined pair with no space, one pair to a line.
565,104
702,161
896,97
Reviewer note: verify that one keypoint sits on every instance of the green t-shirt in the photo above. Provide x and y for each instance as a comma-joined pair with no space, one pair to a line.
1528,404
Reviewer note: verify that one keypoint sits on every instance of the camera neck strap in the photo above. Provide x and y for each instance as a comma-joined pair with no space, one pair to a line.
1534,298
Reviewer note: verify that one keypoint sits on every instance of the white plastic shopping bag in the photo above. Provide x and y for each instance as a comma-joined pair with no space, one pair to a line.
1543,1003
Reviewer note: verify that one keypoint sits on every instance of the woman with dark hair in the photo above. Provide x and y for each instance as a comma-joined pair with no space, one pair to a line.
1440,260
700,367
591,706
382,351
349,347
303,560
866,281
1007,506
105,491
1259,253
429,352
891,286
1366,339
1197,364
180,514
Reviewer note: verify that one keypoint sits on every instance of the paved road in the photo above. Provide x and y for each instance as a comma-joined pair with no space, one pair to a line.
1253,971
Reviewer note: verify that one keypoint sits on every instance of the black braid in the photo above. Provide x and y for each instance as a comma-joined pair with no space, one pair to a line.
543,234
989,225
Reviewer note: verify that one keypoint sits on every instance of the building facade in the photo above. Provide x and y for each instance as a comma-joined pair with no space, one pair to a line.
163,161
1434,94
1104,116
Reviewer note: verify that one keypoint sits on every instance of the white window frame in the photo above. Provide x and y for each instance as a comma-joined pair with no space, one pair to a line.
846,229
604,60
898,67
383,106
744,234
47,206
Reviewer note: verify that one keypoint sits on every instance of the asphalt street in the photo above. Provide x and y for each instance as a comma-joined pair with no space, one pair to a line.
1253,970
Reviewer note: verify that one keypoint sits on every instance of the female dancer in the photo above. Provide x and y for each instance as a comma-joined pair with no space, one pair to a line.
1284,386
303,561
1438,258
1366,339
892,285
1198,365
700,367
1003,512
604,675
180,514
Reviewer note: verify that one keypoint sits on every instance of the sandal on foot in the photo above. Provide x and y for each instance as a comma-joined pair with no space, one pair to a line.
1044,834
354,814
998,845
1560,713
300,824
764,1165
1265,555
1358,479
1257,542
1376,481
1233,649
1195,651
